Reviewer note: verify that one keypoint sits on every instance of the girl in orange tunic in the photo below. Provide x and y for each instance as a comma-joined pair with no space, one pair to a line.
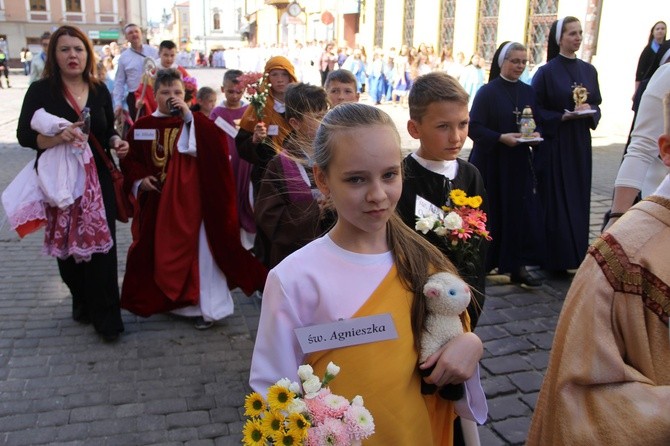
369,264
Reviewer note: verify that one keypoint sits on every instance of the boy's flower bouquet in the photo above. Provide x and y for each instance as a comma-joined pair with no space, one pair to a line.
306,414
463,225
256,90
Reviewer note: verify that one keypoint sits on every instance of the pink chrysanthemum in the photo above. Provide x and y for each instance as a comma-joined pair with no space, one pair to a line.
333,433
336,405
318,410
359,421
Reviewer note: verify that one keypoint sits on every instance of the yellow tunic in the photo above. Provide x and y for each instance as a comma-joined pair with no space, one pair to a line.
385,374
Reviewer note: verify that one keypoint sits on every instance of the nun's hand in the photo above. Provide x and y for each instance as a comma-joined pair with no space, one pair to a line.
510,139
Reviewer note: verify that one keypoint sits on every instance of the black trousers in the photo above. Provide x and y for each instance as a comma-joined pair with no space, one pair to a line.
95,290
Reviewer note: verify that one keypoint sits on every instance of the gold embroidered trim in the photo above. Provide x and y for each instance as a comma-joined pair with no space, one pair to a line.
631,278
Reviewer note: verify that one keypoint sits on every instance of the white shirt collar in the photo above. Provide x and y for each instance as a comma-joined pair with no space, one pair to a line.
447,168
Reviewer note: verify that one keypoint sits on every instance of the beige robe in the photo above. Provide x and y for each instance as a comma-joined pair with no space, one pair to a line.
608,381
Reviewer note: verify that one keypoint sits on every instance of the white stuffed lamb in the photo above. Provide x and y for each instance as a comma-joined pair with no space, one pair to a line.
447,296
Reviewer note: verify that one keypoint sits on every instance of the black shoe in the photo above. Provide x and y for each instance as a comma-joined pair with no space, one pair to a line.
82,318
202,324
110,337
523,277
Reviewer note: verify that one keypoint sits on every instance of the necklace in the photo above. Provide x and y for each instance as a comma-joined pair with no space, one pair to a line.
515,103
80,94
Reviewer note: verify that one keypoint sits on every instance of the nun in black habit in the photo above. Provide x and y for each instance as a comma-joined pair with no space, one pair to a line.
564,160
506,164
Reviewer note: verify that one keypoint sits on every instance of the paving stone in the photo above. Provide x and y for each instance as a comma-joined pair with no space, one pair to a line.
187,419
17,422
72,432
182,434
90,413
225,415
39,435
53,418
504,364
490,332
510,344
204,442
166,406
498,385
527,381
507,406
513,430
487,437
541,340
201,402
530,399
98,428
213,430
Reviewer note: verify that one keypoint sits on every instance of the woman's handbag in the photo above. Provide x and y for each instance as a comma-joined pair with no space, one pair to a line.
124,207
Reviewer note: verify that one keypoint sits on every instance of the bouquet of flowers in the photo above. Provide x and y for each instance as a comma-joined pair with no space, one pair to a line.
256,90
190,89
463,225
306,414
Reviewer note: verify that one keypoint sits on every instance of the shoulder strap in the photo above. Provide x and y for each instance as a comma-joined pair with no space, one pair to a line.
91,137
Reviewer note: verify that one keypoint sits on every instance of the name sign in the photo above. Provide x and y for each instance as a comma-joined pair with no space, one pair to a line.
144,134
273,130
423,207
345,333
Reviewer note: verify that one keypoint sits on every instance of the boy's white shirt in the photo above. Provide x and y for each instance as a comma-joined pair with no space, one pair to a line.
448,169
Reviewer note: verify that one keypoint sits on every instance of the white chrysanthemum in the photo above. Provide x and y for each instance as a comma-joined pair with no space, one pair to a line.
332,369
453,221
297,406
305,371
357,401
311,385
295,388
441,231
425,224
285,383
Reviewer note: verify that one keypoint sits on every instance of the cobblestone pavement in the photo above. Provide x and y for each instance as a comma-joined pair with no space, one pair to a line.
166,383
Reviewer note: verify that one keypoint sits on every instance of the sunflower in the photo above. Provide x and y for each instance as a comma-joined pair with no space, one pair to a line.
279,397
254,405
273,424
287,438
253,433
298,425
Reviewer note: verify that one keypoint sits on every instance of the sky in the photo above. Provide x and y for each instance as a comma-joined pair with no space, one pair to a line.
155,8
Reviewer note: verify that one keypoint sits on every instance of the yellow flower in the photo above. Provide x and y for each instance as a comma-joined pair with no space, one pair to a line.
298,425
475,202
287,439
457,193
273,424
459,200
254,405
279,397
253,433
